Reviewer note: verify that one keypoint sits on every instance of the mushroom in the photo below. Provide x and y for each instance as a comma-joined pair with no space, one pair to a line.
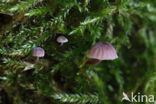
38,52
101,51
62,40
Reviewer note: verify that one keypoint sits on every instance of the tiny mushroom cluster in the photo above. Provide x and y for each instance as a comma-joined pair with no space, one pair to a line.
99,51
39,52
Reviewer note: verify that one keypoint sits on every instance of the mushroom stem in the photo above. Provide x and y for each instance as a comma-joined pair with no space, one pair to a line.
93,62
37,59
61,44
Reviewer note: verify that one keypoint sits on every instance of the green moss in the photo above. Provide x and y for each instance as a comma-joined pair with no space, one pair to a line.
59,77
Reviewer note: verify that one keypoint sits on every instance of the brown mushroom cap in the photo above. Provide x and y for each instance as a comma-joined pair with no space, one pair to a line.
38,52
102,51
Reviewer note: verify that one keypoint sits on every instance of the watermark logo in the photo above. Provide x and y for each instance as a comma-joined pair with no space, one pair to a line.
125,97
138,97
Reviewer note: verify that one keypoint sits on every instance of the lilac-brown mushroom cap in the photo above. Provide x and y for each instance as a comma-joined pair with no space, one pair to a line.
102,51
62,39
38,52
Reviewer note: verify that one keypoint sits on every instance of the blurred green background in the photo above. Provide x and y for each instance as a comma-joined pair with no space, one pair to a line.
129,25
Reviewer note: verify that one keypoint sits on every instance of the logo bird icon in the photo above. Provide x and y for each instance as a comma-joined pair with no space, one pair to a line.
125,97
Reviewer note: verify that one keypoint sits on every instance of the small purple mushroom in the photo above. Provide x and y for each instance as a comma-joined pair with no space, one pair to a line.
101,51
38,52
62,40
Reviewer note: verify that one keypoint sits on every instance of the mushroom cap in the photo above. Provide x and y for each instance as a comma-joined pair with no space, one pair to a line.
102,51
38,52
62,39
